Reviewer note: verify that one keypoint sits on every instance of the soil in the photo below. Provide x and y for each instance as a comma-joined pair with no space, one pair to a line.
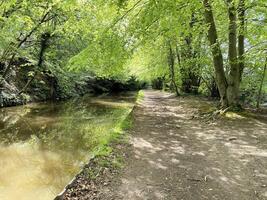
175,154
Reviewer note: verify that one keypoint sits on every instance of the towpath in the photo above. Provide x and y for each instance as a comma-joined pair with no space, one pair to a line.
176,156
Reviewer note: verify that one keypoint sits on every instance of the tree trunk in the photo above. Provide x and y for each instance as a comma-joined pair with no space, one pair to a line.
44,44
234,74
261,84
241,37
216,53
8,68
178,57
214,89
172,71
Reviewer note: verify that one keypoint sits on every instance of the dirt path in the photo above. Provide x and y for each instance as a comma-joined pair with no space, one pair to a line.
175,156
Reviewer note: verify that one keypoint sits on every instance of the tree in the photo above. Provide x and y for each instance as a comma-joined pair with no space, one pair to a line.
152,40
261,83
228,85
216,52
172,70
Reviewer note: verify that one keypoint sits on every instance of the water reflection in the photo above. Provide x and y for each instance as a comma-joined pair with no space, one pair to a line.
43,145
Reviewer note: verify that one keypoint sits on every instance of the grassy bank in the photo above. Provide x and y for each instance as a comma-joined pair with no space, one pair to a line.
122,124
107,155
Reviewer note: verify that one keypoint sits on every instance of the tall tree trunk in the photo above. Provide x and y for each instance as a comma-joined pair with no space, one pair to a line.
178,56
172,71
22,41
216,53
241,37
44,44
214,89
261,83
234,74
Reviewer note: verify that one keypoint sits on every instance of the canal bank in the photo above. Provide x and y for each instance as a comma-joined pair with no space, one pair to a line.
45,144
106,161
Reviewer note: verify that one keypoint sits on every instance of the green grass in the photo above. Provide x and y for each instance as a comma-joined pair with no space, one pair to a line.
121,125
117,133
101,153
140,96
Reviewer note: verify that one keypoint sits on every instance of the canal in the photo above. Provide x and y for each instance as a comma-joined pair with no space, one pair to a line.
43,145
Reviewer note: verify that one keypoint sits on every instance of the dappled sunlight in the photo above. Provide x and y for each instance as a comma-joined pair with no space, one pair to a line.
233,115
198,154
177,149
260,174
130,190
244,149
141,143
175,161
224,154
205,136
157,165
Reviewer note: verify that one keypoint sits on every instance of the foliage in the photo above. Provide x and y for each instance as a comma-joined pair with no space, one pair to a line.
123,38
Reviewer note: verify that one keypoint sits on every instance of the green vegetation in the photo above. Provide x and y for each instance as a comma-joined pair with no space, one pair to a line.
140,96
216,48
114,133
58,49
101,154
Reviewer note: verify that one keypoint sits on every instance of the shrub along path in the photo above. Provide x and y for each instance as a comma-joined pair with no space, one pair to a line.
175,155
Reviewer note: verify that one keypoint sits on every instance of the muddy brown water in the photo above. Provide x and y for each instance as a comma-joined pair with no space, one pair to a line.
43,145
